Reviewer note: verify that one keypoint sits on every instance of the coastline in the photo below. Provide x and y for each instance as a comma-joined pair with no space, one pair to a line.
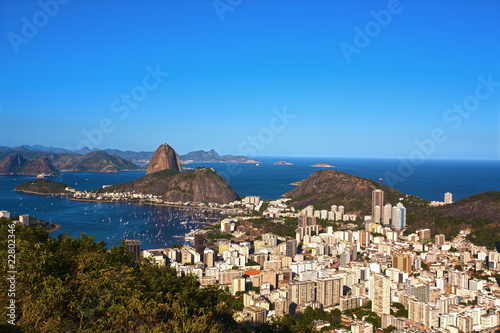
128,200
56,227
154,204
45,194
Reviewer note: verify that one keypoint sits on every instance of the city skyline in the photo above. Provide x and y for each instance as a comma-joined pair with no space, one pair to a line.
372,79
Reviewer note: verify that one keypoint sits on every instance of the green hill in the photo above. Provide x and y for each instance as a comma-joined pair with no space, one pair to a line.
479,213
42,186
199,185
325,188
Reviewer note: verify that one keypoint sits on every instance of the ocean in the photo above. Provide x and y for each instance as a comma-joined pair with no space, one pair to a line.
159,227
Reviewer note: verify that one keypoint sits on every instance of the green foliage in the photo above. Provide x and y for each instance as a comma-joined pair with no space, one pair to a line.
485,236
265,225
400,310
74,284
365,312
302,321
485,232
42,186
212,236
389,329
252,263
326,223
264,206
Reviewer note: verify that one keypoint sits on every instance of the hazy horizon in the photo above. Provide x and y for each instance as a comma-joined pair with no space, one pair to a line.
275,156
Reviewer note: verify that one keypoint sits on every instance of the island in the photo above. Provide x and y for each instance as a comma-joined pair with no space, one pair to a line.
43,187
283,163
322,165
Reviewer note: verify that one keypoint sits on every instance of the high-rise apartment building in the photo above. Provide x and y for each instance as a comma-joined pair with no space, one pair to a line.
134,246
328,291
24,219
199,243
381,294
439,239
377,200
403,262
209,257
305,221
282,307
387,214
398,216
291,248
302,292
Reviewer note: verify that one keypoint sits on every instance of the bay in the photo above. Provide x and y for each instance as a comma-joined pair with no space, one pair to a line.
159,226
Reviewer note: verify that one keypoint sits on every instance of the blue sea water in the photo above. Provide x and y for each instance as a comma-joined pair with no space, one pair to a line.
430,180
158,226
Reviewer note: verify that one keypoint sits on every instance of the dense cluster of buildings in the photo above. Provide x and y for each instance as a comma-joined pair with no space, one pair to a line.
442,285
414,282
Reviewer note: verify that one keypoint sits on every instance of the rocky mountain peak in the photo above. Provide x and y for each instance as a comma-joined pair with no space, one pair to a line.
164,158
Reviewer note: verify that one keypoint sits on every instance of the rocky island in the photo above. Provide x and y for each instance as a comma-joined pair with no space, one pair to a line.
322,165
283,163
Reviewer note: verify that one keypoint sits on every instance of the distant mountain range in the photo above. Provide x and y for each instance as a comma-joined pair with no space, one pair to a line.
34,163
16,164
212,156
163,178
200,156
35,151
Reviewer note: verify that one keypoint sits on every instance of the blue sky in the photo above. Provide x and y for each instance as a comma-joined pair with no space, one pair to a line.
347,78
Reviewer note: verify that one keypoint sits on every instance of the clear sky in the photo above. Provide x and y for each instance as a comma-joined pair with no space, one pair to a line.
254,77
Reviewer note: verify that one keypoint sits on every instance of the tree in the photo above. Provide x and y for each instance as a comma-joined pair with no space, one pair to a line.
75,284
389,329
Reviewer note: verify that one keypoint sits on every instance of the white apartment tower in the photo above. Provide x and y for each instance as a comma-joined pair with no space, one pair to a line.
448,198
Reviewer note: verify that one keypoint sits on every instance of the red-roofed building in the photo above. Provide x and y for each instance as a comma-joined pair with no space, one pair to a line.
251,272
